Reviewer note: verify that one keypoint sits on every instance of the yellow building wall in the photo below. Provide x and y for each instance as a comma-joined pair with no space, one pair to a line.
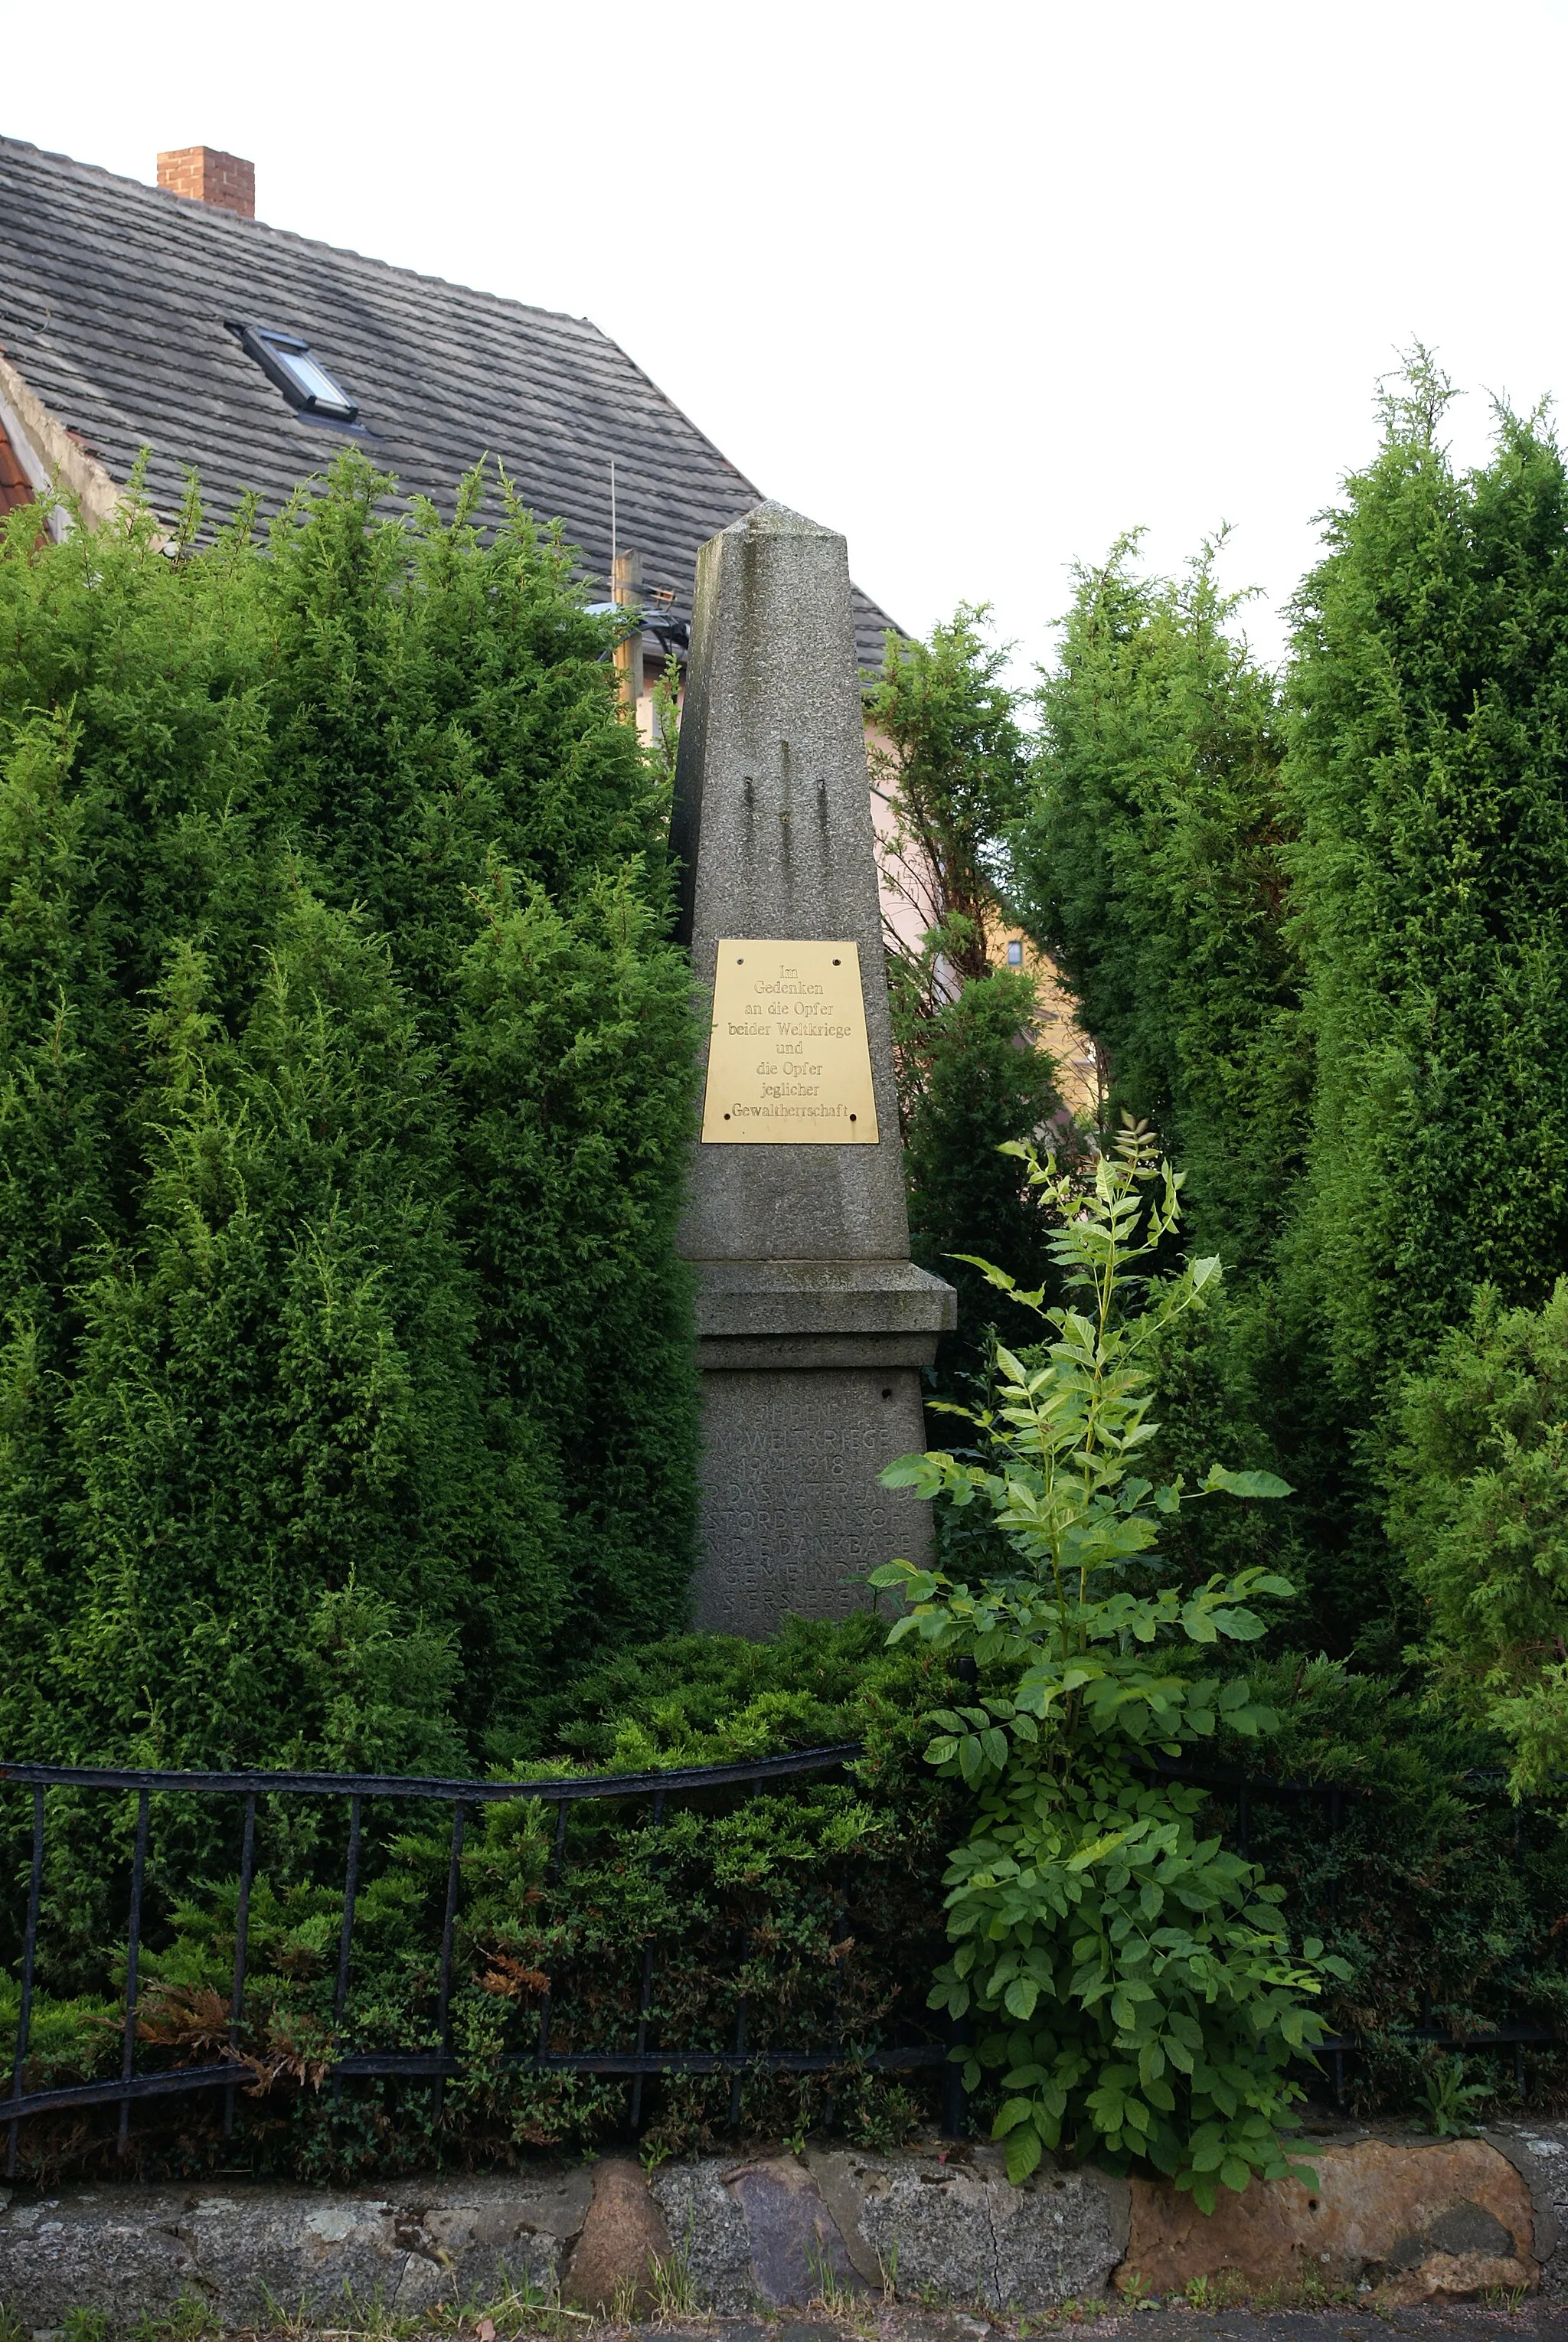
1079,1075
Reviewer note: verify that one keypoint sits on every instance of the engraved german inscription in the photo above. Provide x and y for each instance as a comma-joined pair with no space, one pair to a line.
793,1516
788,1059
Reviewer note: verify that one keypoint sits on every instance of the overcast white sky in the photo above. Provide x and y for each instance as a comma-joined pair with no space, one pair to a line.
980,285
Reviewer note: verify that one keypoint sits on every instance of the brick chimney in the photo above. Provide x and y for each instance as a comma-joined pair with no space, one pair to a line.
204,175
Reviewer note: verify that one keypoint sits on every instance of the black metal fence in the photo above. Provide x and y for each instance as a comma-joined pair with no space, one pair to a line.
1242,1794
438,2066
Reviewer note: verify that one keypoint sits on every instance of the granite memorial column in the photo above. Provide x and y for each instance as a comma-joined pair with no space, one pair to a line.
813,1322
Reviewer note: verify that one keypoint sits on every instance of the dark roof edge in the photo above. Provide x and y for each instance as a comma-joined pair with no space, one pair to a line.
696,428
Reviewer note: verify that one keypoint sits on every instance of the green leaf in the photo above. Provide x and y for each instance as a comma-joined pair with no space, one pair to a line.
941,1751
1093,1852
1241,1625
1245,1484
913,1472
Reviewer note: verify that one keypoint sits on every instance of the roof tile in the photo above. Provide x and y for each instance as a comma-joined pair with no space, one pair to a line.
143,357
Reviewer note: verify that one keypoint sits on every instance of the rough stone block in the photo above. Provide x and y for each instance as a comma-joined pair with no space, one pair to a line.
952,2224
796,2247
782,2231
134,2251
624,2232
1538,2150
707,2227
1434,2222
755,2234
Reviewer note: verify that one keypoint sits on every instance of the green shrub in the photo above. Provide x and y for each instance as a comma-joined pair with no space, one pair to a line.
1318,926
1426,784
971,1079
1145,2002
1150,866
1441,1896
815,1906
345,1074
950,763
1479,1510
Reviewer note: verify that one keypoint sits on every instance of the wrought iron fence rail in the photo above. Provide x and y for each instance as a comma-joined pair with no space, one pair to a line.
168,2085
570,1791
1497,2037
436,2064
437,2067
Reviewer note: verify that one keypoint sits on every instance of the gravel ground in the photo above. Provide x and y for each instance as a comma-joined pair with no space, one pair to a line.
1529,2321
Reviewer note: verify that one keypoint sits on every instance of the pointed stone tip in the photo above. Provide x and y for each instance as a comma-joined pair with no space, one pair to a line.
771,519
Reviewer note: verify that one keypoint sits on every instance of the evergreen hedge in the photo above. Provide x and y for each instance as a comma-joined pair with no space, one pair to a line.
819,1904
1149,866
1427,784
1319,924
345,1391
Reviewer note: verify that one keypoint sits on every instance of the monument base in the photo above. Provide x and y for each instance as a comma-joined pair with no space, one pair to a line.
811,1385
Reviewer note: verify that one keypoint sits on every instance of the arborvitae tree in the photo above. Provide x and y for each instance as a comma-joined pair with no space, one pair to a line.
344,1078
950,763
1337,979
973,1077
1428,780
1150,868
1478,1482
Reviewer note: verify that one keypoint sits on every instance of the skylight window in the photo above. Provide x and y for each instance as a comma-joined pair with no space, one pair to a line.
304,382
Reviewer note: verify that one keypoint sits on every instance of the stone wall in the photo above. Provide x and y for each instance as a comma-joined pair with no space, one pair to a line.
1403,2220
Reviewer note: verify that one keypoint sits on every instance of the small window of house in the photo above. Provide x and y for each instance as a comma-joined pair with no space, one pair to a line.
288,361
1015,953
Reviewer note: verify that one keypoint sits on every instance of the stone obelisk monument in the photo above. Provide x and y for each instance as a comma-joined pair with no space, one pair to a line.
813,1322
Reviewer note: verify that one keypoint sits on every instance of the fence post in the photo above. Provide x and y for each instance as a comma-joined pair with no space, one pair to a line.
132,1962
29,1956
954,2095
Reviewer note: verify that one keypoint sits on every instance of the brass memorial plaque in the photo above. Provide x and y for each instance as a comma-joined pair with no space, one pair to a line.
788,1062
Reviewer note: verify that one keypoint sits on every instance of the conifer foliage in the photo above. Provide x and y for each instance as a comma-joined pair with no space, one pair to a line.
1149,866
1428,784
344,1082
1319,924
951,765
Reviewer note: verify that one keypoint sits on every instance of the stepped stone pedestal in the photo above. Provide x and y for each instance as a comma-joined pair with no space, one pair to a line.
813,1322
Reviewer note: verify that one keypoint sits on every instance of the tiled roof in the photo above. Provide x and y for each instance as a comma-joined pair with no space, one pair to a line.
114,302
